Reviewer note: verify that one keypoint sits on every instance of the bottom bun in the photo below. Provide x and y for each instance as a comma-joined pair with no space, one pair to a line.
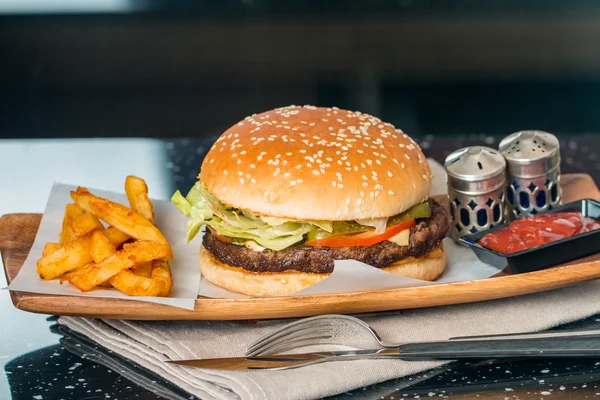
254,283
426,268
236,279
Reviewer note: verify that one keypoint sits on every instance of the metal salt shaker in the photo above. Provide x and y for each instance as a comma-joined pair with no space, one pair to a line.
533,176
476,178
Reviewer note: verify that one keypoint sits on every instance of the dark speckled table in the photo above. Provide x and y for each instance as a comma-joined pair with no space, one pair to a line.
74,368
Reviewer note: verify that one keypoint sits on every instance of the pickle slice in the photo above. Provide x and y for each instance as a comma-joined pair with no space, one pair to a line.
422,210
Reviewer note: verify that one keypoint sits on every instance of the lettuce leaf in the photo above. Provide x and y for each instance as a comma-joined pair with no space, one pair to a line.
201,207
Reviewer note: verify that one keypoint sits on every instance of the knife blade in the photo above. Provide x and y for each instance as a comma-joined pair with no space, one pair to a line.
562,347
284,361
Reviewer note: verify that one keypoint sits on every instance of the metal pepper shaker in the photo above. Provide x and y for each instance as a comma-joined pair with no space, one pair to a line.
476,178
533,173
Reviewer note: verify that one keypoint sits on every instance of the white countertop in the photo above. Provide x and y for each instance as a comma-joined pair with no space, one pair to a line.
28,168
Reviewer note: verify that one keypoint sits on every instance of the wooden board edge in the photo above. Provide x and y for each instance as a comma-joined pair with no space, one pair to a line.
289,307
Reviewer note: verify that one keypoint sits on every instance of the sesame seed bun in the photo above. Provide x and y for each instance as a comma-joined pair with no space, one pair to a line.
242,281
312,163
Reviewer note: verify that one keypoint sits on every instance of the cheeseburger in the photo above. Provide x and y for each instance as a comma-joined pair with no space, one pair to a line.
285,193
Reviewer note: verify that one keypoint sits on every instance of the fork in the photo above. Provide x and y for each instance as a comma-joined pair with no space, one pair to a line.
328,329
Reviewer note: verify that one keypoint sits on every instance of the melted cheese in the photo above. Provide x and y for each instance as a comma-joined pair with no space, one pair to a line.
252,245
401,239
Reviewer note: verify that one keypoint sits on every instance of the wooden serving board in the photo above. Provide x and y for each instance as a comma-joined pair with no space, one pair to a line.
17,233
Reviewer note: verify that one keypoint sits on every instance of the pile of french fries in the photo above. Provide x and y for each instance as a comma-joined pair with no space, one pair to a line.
130,255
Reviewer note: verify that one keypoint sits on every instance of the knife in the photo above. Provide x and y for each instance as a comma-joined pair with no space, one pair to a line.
560,347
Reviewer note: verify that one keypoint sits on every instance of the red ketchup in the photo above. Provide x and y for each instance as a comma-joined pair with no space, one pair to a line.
535,230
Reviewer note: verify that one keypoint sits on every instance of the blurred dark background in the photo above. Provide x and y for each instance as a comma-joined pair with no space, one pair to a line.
116,68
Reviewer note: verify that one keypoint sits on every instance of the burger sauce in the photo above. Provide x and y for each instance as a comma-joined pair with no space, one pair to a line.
536,230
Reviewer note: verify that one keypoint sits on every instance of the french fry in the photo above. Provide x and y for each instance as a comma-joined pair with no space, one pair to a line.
84,224
162,272
115,236
69,257
134,285
144,270
121,217
73,255
137,195
90,276
50,248
100,247
71,212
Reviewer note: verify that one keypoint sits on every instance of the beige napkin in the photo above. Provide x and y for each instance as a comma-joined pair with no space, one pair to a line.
150,343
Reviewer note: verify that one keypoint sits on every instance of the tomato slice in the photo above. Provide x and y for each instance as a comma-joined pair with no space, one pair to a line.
220,237
362,239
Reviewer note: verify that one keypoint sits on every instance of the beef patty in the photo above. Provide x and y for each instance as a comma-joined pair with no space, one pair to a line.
426,234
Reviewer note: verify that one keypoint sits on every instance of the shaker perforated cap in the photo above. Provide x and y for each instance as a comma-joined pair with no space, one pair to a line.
530,153
475,169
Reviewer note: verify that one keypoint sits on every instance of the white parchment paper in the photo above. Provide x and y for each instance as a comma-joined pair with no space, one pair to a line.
184,266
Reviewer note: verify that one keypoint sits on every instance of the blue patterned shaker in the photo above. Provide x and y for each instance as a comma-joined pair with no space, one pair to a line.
533,173
476,178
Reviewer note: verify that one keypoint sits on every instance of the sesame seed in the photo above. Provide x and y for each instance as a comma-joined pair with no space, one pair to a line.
365,177
224,172
293,183
288,153
348,200
407,156
360,201
212,160
259,158
402,165
372,195
242,181
391,192
309,165
362,194
315,172
341,186
365,184
239,161
333,183
299,180
298,166
252,166
252,180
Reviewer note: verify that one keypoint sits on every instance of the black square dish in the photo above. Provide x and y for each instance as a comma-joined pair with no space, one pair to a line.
546,255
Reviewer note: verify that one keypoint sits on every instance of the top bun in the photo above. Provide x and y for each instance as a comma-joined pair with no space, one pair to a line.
313,163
